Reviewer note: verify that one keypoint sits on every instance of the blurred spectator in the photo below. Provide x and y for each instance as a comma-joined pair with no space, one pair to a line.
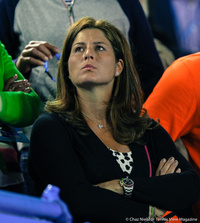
19,106
176,24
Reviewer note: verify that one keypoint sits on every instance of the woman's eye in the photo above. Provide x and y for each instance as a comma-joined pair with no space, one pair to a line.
79,49
100,48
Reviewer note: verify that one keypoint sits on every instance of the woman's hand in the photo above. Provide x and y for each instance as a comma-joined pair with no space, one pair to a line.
112,185
167,167
12,84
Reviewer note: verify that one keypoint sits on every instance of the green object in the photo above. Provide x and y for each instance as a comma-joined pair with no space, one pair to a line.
16,108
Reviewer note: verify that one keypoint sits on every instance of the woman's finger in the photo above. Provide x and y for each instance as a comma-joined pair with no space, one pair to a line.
160,166
169,167
173,167
178,170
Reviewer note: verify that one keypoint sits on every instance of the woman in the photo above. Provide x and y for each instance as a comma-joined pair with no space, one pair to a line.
95,134
19,107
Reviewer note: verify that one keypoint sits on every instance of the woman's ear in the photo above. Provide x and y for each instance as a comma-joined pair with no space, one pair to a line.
119,67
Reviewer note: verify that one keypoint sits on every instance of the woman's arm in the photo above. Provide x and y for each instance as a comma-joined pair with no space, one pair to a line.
165,167
177,191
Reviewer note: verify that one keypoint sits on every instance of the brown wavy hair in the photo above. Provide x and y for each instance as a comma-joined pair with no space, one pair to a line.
127,119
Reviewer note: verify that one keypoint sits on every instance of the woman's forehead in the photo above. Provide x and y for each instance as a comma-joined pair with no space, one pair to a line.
94,35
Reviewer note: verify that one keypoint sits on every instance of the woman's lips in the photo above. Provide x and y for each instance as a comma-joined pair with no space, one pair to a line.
88,66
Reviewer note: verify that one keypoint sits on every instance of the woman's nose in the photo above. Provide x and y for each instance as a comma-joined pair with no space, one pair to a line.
88,54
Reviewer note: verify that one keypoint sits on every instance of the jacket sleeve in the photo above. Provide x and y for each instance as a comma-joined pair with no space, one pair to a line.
177,191
17,108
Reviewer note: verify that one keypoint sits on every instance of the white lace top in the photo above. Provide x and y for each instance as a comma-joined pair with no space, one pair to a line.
125,160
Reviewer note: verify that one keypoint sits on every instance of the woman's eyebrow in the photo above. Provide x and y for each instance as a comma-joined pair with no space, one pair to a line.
96,43
79,43
83,43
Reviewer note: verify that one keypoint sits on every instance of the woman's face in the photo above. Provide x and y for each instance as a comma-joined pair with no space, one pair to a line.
92,61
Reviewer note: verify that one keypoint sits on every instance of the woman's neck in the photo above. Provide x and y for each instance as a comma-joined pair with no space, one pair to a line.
94,104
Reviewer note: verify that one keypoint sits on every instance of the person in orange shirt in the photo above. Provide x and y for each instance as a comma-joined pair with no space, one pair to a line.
175,101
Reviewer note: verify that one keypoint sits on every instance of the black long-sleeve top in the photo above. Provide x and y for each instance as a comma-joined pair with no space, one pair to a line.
59,155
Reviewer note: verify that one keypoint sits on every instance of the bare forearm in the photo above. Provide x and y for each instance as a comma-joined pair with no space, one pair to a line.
112,185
